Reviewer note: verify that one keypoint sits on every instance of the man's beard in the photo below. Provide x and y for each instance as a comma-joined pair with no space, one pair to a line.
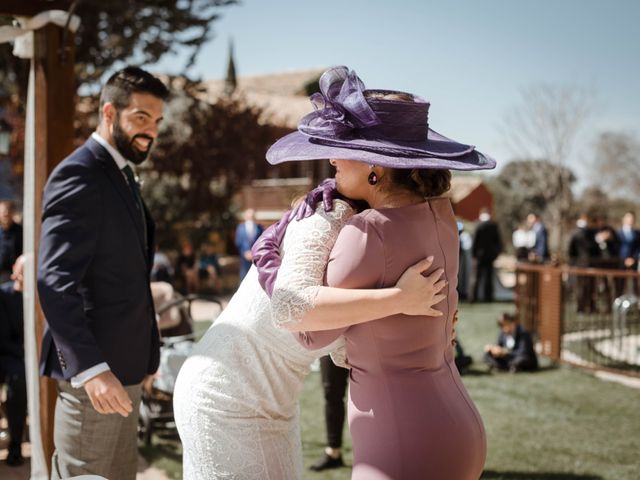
125,146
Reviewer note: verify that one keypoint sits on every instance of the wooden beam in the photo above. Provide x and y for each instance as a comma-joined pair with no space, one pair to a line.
29,8
54,112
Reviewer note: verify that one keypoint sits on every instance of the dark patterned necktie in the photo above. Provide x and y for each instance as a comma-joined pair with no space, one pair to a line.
135,189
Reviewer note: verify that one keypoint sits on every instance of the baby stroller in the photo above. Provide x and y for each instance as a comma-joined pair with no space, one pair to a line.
175,322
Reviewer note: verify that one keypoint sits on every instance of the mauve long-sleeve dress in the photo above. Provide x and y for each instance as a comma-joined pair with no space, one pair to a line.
409,414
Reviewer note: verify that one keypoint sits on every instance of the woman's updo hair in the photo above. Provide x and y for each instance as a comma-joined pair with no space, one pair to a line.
426,182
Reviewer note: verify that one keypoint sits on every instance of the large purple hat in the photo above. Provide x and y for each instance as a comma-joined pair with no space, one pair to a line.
348,125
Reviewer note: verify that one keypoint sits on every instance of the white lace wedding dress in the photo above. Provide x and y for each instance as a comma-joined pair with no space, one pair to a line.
236,397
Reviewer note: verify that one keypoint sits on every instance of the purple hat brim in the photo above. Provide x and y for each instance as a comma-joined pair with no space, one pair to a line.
297,146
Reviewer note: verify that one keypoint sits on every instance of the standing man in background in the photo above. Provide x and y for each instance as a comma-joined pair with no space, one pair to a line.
540,251
96,253
246,235
12,369
629,242
583,252
487,245
629,237
10,239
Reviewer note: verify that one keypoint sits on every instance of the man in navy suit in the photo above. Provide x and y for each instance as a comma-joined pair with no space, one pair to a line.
246,235
514,350
12,370
629,242
629,254
540,251
10,239
96,253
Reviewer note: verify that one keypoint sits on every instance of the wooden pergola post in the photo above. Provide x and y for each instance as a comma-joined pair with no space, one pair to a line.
54,112
54,103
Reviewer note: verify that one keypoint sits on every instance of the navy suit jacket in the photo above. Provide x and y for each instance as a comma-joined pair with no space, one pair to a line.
541,247
93,272
523,346
629,246
11,330
244,243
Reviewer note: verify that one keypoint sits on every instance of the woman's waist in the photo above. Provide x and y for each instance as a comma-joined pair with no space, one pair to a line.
375,371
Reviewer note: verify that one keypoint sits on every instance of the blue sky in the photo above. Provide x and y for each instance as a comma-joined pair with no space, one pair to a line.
470,58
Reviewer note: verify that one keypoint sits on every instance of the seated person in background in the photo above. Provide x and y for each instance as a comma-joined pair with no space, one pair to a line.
514,351
163,294
162,270
186,271
12,370
209,268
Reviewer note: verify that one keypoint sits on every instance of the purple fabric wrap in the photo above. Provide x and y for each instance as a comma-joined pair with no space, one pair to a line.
266,250
340,106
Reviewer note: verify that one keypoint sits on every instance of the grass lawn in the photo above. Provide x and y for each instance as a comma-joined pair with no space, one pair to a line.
556,424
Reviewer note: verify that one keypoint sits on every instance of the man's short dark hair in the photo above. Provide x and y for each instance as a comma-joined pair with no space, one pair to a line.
130,80
506,317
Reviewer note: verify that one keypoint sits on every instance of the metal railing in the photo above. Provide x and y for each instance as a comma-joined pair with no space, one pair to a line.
587,317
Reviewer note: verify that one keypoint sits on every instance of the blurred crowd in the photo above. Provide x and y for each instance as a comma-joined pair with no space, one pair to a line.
593,243
194,270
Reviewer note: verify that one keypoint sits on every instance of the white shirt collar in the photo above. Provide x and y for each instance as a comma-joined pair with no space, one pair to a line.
121,162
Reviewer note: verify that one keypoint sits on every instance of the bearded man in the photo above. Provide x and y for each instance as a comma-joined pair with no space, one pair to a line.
96,253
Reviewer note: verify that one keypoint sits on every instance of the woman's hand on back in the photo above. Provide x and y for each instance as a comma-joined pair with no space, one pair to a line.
421,293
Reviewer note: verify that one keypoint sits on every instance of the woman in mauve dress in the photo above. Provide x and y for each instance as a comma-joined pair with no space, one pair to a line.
410,416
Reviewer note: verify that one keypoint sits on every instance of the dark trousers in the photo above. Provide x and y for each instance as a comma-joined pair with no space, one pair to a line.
16,405
586,294
511,362
484,276
334,384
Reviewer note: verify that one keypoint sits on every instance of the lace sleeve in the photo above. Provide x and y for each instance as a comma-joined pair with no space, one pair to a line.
305,253
339,355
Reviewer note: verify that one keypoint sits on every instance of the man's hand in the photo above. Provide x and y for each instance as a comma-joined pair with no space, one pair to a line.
421,293
495,350
107,395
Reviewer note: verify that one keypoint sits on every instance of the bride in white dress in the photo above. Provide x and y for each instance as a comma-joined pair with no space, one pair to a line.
236,397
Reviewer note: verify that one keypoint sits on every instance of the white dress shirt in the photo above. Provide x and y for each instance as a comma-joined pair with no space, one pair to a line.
250,228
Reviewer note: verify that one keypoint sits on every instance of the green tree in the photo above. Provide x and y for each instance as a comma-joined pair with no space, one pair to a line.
525,186
545,124
203,155
616,164
121,31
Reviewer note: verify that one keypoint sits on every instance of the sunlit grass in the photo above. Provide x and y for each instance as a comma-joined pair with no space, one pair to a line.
556,424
